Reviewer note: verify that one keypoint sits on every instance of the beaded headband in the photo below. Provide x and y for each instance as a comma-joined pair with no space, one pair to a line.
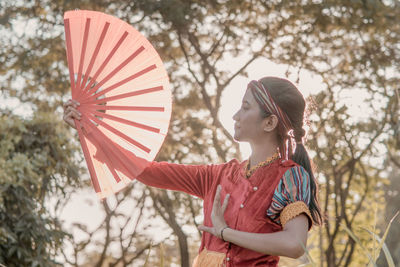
264,98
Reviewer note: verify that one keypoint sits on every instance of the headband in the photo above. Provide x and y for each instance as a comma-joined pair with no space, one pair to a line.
264,98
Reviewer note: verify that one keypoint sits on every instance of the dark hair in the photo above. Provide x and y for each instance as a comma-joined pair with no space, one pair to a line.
291,101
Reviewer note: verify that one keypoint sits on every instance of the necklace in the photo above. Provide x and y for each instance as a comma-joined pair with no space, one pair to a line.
261,164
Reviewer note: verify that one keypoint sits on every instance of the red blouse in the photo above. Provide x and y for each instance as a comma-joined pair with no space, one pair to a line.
249,200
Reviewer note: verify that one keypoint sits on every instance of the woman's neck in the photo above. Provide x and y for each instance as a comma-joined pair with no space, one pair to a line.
261,153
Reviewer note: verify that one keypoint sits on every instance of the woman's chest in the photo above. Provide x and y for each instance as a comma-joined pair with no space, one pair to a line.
249,199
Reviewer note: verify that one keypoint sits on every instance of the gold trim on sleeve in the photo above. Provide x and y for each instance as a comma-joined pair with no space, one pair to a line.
294,209
208,258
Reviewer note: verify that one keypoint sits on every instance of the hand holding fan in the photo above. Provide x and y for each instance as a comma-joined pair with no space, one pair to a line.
123,90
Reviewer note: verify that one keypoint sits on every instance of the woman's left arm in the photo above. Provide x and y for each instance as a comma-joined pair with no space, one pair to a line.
289,242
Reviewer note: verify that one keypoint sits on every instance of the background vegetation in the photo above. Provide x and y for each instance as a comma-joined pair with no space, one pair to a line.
352,47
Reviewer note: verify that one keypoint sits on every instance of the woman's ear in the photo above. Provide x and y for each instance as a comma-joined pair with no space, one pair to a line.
270,123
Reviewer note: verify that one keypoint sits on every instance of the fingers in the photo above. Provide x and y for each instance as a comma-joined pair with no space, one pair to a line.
70,121
66,104
70,105
70,116
217,198
71,112
71,102
225,204
205,229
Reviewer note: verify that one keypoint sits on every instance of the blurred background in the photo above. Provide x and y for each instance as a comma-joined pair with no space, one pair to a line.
344,55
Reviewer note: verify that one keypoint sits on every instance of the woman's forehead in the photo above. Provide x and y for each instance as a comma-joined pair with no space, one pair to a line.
248,97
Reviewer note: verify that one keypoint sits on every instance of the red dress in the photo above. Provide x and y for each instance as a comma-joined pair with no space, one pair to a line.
249,200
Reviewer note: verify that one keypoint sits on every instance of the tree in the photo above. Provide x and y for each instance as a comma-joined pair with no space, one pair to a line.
392,188
36,159
346,149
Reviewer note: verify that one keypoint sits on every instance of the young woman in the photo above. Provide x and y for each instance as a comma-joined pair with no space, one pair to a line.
259,209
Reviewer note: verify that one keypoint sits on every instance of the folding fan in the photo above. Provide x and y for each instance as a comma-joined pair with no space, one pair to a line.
125,100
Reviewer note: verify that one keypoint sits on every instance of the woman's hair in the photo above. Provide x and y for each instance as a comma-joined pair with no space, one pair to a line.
291,101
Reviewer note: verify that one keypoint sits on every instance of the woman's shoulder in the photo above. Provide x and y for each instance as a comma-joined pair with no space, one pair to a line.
288,163
231,166
295,176
291,167
294,185
291,196
231,163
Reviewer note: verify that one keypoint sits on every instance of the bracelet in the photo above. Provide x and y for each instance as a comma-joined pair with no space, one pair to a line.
222,233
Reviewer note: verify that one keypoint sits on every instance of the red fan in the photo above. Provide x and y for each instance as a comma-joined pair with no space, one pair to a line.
125,99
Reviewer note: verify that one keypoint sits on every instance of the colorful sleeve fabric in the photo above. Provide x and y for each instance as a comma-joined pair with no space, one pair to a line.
291,196
192,179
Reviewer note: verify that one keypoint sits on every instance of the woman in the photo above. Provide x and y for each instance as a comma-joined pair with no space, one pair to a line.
269,201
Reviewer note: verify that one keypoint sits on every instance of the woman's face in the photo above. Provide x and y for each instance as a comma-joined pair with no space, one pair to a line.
248,120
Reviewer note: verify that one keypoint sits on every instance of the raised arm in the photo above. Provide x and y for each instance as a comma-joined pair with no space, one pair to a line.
191,179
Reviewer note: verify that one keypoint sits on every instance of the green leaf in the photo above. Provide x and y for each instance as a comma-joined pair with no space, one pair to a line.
355,238
148,255
313,264
161,255
382,244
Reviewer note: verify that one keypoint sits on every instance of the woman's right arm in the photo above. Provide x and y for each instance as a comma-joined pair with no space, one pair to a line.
192,179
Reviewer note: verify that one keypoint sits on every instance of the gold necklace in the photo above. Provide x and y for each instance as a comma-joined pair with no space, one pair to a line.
263,163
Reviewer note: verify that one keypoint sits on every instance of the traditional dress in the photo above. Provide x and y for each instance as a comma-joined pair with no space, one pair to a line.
261,203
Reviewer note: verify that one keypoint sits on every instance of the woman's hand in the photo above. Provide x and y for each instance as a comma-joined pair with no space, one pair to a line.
217,215
71,112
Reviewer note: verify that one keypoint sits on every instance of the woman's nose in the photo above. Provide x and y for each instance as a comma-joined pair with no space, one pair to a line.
236,116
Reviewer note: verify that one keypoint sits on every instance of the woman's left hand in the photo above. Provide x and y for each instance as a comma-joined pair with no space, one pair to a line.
217,215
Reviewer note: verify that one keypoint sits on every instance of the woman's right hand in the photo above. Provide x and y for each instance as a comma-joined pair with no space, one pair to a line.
71,112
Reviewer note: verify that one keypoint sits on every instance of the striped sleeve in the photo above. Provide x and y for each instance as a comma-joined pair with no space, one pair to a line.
291,196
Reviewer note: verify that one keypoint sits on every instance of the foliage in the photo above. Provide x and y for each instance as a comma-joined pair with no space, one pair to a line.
34,164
